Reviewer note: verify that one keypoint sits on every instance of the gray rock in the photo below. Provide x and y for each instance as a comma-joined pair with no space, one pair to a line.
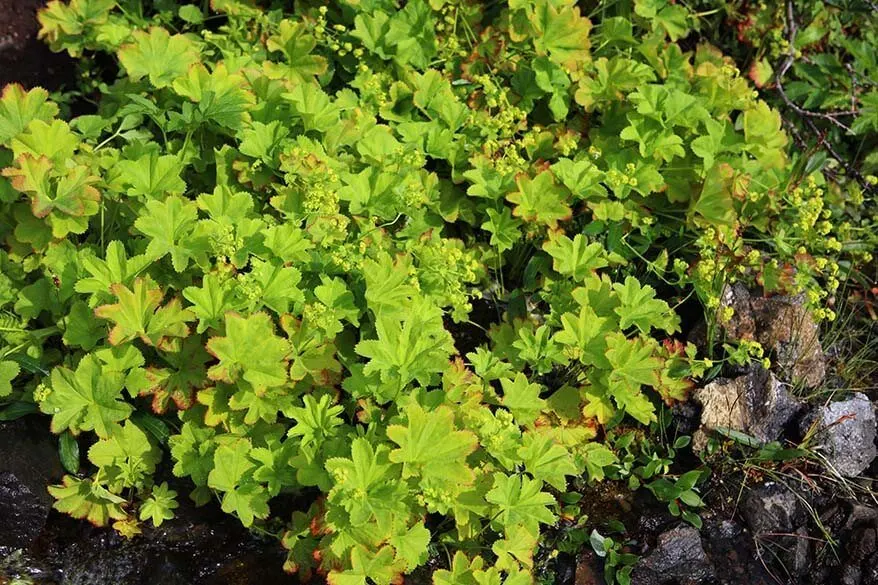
781,324
772,508
777,517
861,551
757,404
845,434
677,558
28,464
732,551
870,572
796,551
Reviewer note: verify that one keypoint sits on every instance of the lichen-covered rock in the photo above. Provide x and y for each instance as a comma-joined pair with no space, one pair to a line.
845,434
732,551
757,404
783,325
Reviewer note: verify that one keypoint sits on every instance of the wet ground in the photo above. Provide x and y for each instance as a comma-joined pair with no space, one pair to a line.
199,547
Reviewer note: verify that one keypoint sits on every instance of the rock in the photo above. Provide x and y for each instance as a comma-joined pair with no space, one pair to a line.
851,575
777,518
870,572
742,325
783,325
677,558
860,539
757,404
772,508
845,434
796,550
564,568
685,417
732,552
28,464
854,527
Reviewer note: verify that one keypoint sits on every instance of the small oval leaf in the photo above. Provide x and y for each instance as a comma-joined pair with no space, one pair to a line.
68,450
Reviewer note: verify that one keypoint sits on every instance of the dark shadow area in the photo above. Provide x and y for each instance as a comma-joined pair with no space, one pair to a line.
23,58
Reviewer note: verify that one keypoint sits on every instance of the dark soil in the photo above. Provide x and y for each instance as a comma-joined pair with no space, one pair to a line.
23,58
471,334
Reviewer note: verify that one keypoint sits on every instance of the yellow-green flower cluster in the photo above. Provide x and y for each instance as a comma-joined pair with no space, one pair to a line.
445,269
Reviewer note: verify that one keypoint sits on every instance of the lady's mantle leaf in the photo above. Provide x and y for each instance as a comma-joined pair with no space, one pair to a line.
520,502
232,474
562,33
576,258
152,176
8,371
126,458
504,229
715,205
547,460
68,451
413,349
633,365
221,97
138,314
210,301
169,225
412,32
88,500
522,399
70,192
366,568
18,108
250,350
540,199
431,446
296,45
640,308
87,399
160,505
411,546
159,56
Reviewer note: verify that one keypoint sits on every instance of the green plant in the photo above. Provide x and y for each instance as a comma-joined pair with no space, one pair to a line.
815,57
680,495
618,564
254,255
643,462
812,61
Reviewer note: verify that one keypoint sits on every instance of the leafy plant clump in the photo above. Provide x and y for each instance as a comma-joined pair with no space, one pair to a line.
253,258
